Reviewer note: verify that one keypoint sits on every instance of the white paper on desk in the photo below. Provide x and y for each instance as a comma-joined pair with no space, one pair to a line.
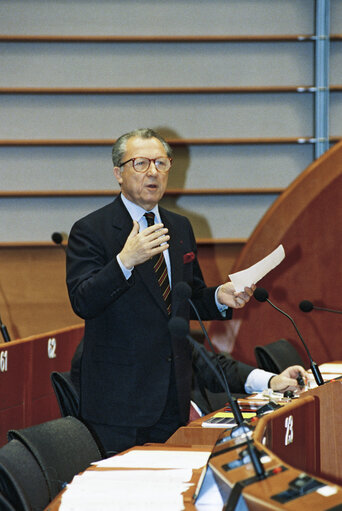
331,368
157,459
127,489
117,474
245,278
128,498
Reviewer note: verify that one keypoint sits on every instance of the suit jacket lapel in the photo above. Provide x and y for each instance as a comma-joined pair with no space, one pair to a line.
121,220
175,249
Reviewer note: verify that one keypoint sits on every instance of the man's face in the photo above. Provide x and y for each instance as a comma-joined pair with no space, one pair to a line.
145,189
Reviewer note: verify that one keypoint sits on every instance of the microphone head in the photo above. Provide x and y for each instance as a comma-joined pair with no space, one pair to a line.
306,306
57,238
182,291
178,326
260,294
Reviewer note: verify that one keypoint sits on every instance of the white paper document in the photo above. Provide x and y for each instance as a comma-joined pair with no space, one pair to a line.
126,490
140,479
331,368
245,278
157,459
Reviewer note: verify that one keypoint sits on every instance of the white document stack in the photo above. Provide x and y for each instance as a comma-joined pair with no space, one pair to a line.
140,479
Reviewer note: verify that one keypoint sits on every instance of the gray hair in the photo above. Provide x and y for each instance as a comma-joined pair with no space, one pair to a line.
119,148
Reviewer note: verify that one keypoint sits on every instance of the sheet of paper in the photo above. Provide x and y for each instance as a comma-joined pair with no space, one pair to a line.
178,474
127,489
331,368
157,459
245,278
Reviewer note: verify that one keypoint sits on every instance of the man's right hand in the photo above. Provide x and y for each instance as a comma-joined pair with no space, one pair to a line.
288,380
141,246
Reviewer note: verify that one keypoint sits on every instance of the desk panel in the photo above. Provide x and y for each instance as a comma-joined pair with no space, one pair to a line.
26,393
14,374
294,435
330,403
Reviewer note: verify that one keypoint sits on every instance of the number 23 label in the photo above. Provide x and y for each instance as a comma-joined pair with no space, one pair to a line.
289,430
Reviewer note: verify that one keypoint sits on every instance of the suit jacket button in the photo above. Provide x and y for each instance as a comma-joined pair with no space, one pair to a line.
169,359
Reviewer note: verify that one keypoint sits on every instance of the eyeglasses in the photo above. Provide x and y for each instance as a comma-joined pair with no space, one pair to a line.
141,164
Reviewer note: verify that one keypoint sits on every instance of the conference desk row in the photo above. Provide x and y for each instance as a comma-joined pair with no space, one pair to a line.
301,437
26,393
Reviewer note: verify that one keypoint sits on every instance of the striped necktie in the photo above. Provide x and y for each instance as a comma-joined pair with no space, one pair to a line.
160,269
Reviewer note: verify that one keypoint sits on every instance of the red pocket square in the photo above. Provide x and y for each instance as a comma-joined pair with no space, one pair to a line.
188,257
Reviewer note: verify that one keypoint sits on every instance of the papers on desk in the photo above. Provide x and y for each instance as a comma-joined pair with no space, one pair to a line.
126,489
331,368
157,459
329,371
253,274
128,486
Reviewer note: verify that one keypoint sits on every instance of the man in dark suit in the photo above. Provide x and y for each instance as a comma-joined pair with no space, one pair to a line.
136,378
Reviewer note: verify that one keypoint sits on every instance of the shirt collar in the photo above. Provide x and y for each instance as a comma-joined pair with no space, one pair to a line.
137,212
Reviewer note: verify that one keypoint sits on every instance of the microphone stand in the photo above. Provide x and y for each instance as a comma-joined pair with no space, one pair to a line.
314,367
183,291
327,310
179,327
4,332
241,425
225,386
261,295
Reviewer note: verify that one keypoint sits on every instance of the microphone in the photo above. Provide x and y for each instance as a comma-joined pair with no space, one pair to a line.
179,327
183,292
4,332
307,306
57,238
180,293
261,295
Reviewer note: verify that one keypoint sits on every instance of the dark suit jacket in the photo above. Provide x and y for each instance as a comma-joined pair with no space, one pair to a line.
128,349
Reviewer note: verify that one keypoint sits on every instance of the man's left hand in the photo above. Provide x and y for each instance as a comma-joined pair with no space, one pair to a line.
227,295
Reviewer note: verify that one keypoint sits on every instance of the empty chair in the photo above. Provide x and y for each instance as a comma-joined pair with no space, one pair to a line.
62,447
23,486
66,394
277,356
